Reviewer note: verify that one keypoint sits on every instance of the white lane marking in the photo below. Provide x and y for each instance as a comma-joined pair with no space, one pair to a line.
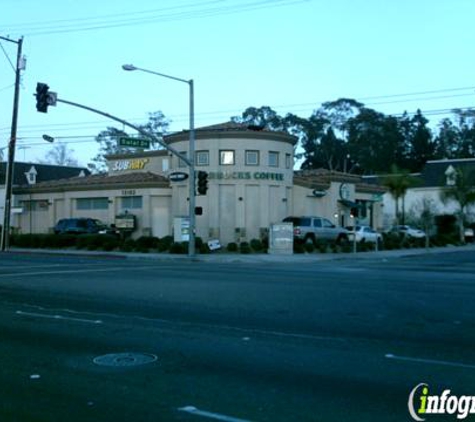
210,415
429,361
91,270
248,331
61,272
60,317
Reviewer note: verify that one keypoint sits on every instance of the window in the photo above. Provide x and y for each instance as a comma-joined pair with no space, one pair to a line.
202,158
131,202
317,223
226,158
327,224
252,158
165,164
288,161
273,159
92,203
181,163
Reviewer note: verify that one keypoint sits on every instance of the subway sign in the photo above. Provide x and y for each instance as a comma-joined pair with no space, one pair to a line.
135,164
246,175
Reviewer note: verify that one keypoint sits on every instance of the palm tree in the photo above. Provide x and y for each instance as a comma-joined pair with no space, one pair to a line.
462,191
398,181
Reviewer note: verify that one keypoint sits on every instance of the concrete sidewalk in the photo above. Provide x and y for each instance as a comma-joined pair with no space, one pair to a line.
224,257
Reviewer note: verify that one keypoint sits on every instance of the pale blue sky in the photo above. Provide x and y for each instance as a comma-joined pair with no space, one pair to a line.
290,55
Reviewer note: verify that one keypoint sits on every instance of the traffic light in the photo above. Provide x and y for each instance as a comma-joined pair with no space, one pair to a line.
42,97
202,182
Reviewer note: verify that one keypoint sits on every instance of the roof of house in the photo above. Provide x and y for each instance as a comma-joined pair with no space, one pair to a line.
433,173
44,172
98,182
320,179
232,129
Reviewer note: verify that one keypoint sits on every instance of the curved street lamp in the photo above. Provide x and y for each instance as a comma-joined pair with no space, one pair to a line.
191,159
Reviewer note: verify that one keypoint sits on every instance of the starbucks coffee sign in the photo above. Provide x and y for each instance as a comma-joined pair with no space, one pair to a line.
245,175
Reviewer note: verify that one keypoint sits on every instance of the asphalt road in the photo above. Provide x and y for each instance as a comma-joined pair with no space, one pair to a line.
324,341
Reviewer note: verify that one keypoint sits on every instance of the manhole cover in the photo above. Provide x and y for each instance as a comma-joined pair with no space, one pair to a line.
125,359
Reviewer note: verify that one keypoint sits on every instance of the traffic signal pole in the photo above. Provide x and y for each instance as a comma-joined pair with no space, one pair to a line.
5,236
189,161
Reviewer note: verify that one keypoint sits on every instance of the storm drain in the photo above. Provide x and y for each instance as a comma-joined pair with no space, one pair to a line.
125,359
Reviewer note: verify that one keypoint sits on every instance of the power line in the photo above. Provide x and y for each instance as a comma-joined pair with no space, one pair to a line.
155,16
7,56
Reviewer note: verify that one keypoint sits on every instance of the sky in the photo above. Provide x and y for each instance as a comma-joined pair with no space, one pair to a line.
291,55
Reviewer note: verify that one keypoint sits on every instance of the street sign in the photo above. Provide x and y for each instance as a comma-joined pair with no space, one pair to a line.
134,142
177,176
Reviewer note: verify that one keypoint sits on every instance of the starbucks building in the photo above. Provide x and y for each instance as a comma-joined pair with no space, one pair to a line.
251,185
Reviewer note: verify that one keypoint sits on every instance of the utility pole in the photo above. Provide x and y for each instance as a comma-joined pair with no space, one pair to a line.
4,240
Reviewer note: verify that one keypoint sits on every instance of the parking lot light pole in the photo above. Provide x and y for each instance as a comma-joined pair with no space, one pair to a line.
191,158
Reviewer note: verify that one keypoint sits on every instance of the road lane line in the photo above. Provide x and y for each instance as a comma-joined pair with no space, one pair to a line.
429,361
210,415
60,317
91,270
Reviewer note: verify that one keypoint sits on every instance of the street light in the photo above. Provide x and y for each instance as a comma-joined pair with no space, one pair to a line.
191,158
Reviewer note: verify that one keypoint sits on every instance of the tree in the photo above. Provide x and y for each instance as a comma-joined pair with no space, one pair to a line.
462,192
398,181
374,141
108,140
61,155
419,144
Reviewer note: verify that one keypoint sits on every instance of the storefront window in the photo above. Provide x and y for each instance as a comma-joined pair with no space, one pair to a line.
252,158
131,202
202,158
92,203
226,158
273,159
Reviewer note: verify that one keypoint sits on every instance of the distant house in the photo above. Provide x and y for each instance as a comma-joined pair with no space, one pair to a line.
29,174
434,177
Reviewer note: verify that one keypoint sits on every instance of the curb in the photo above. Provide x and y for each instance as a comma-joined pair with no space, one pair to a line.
247,258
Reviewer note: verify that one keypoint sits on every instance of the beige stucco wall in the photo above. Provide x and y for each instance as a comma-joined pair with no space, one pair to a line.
242,200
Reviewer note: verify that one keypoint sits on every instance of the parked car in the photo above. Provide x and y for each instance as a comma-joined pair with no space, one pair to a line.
82,226
408,231
313,229
365,234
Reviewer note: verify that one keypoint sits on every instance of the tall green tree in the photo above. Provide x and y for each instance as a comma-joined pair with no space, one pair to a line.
462,192
374,141
419,143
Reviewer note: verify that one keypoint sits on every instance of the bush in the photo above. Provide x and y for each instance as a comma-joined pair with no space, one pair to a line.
256,245
245,248
299,247
179,247
309,247
164,244
203,248
147,242
128,245
232,247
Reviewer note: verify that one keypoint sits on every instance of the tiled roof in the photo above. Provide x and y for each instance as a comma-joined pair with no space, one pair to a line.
100,181
321,178
45,172
245,131
433,174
